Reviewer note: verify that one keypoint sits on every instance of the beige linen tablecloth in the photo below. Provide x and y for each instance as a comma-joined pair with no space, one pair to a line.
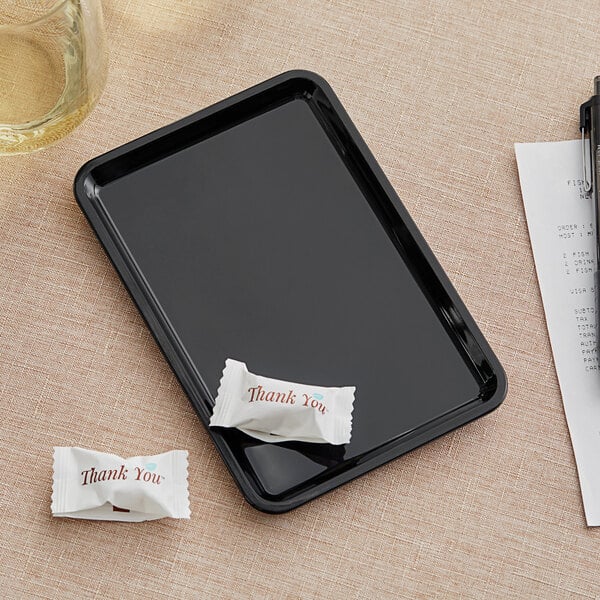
440,90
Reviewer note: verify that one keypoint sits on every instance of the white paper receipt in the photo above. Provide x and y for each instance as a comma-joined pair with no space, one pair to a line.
273,410
560,221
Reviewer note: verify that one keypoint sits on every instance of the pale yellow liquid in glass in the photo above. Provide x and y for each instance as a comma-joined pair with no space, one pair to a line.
45,91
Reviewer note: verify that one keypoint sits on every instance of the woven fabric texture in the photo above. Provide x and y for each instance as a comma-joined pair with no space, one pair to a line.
440,90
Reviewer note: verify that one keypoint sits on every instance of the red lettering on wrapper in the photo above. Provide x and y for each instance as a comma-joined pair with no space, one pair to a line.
259,394
92,475
312,403
143,475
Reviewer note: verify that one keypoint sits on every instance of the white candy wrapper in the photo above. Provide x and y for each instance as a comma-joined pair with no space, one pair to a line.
96,485
272,410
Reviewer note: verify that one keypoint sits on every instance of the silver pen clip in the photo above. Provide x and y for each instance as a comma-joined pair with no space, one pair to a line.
586,157
586,160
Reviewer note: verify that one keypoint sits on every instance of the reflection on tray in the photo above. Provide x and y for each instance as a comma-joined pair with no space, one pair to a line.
278,466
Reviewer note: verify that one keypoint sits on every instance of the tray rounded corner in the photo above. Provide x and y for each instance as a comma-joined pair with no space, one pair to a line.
305,74
84,182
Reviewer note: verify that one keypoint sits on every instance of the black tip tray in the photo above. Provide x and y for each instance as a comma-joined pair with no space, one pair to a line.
262,229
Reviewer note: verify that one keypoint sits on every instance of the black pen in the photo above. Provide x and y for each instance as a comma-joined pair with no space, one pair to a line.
589,123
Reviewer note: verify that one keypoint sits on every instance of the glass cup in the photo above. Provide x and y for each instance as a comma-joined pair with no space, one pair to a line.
53,64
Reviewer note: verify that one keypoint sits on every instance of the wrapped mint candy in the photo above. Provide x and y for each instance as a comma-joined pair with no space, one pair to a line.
273,410
96,485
